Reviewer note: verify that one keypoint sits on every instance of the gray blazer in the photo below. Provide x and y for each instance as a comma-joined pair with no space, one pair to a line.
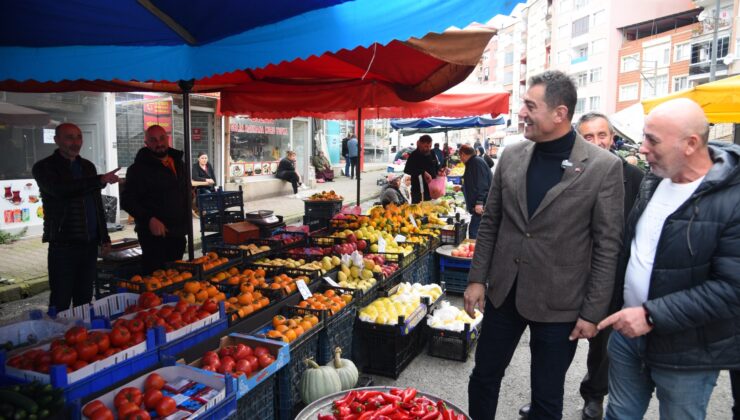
563,258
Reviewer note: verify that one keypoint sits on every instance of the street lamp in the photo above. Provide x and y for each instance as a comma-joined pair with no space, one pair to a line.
653,84
713,63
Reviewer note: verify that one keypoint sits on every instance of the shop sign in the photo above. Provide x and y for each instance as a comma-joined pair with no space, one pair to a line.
197,134
158,113
20,204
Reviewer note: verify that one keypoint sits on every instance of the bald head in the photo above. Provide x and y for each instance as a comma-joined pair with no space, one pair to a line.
157,140
685,115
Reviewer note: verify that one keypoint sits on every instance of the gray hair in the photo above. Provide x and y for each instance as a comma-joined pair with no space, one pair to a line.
590,116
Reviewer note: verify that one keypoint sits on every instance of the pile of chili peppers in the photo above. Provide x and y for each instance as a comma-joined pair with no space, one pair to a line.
397,404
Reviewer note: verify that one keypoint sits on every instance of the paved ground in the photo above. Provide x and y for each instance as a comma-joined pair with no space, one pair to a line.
24,261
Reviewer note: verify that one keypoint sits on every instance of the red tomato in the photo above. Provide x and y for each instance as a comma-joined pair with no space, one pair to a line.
136,325
138,337
120,336
56,343
151,398
254,362
79,364
91,407
64,355
209,357
166,406
138,415
181,306
243,366
210,306
86,350
15,361
101,339
241,351
265,360
154,381
126,408
203,314
259,351
165,310
102,413
226,351
174,318
110,352
128,395
75,335
42,358
120,322
227,365
209,368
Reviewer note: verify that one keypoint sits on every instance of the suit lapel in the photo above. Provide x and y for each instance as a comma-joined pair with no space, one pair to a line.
521,178
577,159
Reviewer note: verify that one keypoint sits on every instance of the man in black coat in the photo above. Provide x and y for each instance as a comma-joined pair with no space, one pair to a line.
74,220
422,165
345,155
678,277
156,195
476,183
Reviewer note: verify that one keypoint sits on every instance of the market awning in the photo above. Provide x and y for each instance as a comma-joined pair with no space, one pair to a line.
720,100
446,123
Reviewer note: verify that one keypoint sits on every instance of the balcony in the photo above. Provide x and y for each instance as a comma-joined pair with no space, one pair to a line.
696,69
579,60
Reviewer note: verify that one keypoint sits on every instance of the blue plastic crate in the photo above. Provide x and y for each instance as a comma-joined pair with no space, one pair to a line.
179,345
455,280
455,179
337,332
258,403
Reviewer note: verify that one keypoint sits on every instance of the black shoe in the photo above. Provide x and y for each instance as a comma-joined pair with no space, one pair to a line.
524,411
593,409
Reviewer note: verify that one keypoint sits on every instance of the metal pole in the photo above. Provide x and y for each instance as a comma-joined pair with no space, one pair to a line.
186,86
360,150
655,79
713,63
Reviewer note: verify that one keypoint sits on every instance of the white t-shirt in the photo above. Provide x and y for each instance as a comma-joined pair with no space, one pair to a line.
667,199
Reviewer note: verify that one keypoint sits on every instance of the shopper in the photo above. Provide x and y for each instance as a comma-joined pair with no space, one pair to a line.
322,167
476,183
422,166
156,195
546,251
439,155
74,220
353,152
345,155
286,171
391,193
679,272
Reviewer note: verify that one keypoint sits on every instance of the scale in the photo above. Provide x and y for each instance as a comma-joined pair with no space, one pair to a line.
262,217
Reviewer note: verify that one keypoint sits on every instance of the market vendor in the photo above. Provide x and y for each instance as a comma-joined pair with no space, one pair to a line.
391,193
322,167
476,183
423,166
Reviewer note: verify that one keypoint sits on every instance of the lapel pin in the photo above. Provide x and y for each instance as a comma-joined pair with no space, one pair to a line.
566,164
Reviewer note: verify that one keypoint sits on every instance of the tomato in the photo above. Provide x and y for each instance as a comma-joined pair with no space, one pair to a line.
136,325
138,337
209,368
227,365
86,350
259,351
128,395
265,360
56,343
149,300
42,358
138,415
15,361
64,355
101,339
126,408
174,318
209,357
79,364
151,398
226,351
120,336
181,306
110,352
75,335
154,381
102,413
243,366
241,351
120,322
91,407
254,362
203,314
210,306
165,310
166,406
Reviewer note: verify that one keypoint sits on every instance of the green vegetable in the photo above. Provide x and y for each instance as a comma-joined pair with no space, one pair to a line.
19,400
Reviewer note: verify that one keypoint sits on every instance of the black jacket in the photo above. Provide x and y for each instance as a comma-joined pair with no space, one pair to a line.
694,291
632,176
345,148
391,195
476,182
284,167
152,190
65,218
416,165
198,174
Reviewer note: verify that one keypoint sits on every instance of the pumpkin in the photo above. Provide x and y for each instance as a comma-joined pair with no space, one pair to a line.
318,381
346,370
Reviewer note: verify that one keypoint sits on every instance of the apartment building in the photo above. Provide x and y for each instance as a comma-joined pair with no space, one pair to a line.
728,41
655,57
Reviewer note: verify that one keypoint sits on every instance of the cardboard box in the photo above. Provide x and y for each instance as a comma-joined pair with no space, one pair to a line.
239,232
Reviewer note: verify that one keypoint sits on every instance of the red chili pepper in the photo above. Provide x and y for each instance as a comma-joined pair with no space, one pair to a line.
432,413
365,395
399,415
351,417
417,411
366,415
385,410
408,405
326,417
342,410
347,399
390,398
446,414
396,391
356,407
376,401
408,394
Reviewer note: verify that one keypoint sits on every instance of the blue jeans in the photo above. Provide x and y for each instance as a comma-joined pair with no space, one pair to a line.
682,394
552,354
346,166
474,225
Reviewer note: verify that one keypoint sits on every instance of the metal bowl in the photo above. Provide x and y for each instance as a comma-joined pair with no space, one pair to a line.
324,405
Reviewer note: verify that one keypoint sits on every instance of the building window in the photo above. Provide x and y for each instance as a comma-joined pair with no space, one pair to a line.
563,57
563,31
508,77
681,52
594,103
680,83
598,46
595,75
599,18
580,26
485,74
657,53
628,92
580,54
509,58
654,87
580,4
702,52
580,105
630,63
581,79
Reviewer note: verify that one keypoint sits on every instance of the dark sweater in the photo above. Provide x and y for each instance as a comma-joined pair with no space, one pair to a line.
545,169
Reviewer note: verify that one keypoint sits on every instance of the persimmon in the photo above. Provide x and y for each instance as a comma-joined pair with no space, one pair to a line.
278,320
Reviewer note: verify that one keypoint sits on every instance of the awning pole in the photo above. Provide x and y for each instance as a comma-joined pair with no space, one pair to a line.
186,86
361,150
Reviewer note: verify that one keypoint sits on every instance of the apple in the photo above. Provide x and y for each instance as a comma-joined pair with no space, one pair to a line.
351,238
361,245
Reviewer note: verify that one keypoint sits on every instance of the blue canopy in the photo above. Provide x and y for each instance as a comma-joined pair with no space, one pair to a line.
170,40
454,123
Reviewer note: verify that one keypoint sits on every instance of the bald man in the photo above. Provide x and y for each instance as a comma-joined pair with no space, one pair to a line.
678,278
156,195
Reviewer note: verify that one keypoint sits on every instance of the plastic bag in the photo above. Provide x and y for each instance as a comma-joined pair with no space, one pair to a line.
437,186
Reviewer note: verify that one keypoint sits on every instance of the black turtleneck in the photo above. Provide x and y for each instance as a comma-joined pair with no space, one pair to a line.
545,169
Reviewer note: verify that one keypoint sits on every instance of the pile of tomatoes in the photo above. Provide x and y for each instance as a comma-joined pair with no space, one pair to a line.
239,359
146,300
133,404
171,317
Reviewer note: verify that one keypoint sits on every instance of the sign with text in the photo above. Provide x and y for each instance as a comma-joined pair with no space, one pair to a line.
303,289
158,113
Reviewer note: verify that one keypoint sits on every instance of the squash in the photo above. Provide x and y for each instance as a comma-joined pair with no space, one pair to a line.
318,381
346,370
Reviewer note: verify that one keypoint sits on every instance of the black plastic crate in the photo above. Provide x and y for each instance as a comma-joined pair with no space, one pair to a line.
258,403
337,332
456,280
452,345
455,235
219,200
322,241
213,221
315,223
209,242
368,296
322,208
201,274
231,251
387,353
287,239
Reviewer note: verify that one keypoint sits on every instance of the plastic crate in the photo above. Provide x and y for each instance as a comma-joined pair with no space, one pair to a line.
387,352
456,235
107,271
258,403
452,345
337,332
213,221
419,271
220,199
325,209
109,307
31,328
201,274
455,179
315,223
208,242
175,342
455,280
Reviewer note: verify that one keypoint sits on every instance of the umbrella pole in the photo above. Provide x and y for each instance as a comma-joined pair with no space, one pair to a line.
361,150
186,86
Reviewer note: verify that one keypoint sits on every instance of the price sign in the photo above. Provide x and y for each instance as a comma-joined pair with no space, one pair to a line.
303,289
413,221
330,281
399,238
381,244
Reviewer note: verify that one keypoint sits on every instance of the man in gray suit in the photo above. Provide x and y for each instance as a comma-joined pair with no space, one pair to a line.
546,251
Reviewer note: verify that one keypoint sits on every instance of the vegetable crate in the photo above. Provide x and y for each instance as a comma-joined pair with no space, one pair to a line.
456,280
386,350
109,307
452,345
259,402
315,223
199,273
31,328
172,343
212,221
455,235
337,332
325,209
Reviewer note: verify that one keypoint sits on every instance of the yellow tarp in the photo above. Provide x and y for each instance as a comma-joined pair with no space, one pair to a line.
720,100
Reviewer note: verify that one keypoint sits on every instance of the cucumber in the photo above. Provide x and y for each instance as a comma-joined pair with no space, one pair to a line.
19,400
20,415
